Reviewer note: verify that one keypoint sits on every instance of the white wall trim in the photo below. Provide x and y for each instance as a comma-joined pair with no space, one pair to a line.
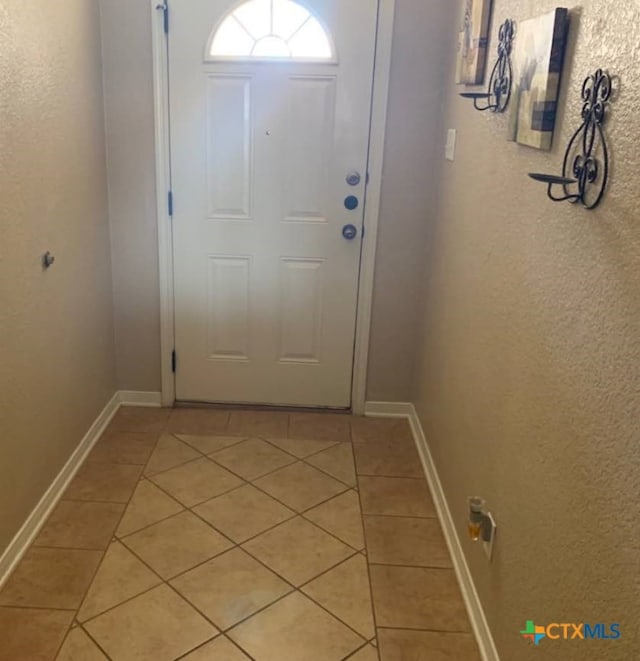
137,398
163,186
381,79
479,622
388,409
20,543
31,527
472,602
379,107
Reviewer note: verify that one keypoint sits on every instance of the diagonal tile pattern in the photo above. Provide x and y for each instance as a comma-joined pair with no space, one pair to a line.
197,481
243,513
169,453
79,647
156,626
252,458
177,544
337,461
242,587
295,628
121,576
300,486
298,550
240,535
341,517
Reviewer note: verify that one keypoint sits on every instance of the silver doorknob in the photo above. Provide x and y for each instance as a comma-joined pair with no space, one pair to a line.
349,232
354,178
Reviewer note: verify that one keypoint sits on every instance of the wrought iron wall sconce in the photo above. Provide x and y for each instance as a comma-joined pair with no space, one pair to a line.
586,160
499,91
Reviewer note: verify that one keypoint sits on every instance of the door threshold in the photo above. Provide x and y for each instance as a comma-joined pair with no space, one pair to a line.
259,407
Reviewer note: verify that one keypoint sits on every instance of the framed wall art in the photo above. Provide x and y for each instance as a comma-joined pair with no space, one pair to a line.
538,59
472,42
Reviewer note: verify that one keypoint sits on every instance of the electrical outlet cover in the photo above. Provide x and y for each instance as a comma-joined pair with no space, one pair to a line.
488,546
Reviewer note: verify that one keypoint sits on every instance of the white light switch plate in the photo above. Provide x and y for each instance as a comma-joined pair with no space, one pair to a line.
450,149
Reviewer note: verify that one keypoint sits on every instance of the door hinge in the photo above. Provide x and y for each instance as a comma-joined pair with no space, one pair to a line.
164,8
173,361
170,203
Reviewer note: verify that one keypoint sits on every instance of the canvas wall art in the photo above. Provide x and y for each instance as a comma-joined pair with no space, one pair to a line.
473,41
537,61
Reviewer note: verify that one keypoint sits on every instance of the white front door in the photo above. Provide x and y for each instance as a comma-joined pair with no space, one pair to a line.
270,105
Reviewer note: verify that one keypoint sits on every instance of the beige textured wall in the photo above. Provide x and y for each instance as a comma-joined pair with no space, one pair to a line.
529,384
56,327
407,191
128,88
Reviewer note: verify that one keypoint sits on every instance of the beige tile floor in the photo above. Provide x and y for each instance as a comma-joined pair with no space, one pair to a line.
211,535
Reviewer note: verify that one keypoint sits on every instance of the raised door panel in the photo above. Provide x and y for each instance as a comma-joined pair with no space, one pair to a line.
228,328
229,148
310,124
301,310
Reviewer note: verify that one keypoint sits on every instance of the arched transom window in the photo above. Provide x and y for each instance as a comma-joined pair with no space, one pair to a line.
271,29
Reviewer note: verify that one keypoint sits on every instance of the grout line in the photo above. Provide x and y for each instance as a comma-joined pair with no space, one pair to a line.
403,477
37,608
149,476
294,515
211,640
200,502
334,615
271,441
104,552
253,483
373,608
326,571
352,654
199,647
113,536
400,565
400,516
329,532
451,631
234,545
81,626
50,547
394,477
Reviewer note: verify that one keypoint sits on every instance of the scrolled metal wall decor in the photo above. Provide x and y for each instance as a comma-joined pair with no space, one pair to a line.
586,160
500,83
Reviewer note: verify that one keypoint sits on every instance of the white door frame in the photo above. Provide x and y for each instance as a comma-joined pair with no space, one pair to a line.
381,77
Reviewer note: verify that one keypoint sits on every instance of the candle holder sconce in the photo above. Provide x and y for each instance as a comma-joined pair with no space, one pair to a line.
499,91
586,160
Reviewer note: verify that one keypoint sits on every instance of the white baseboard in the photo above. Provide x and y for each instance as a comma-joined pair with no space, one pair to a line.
136,398
31,527
478,620
388,409
472,602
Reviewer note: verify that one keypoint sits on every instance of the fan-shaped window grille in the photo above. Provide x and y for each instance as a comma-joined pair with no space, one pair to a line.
271,29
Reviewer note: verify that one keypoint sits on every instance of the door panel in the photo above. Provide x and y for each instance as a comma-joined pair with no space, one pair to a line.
228,298
229,167
301,310
265,283
307,164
